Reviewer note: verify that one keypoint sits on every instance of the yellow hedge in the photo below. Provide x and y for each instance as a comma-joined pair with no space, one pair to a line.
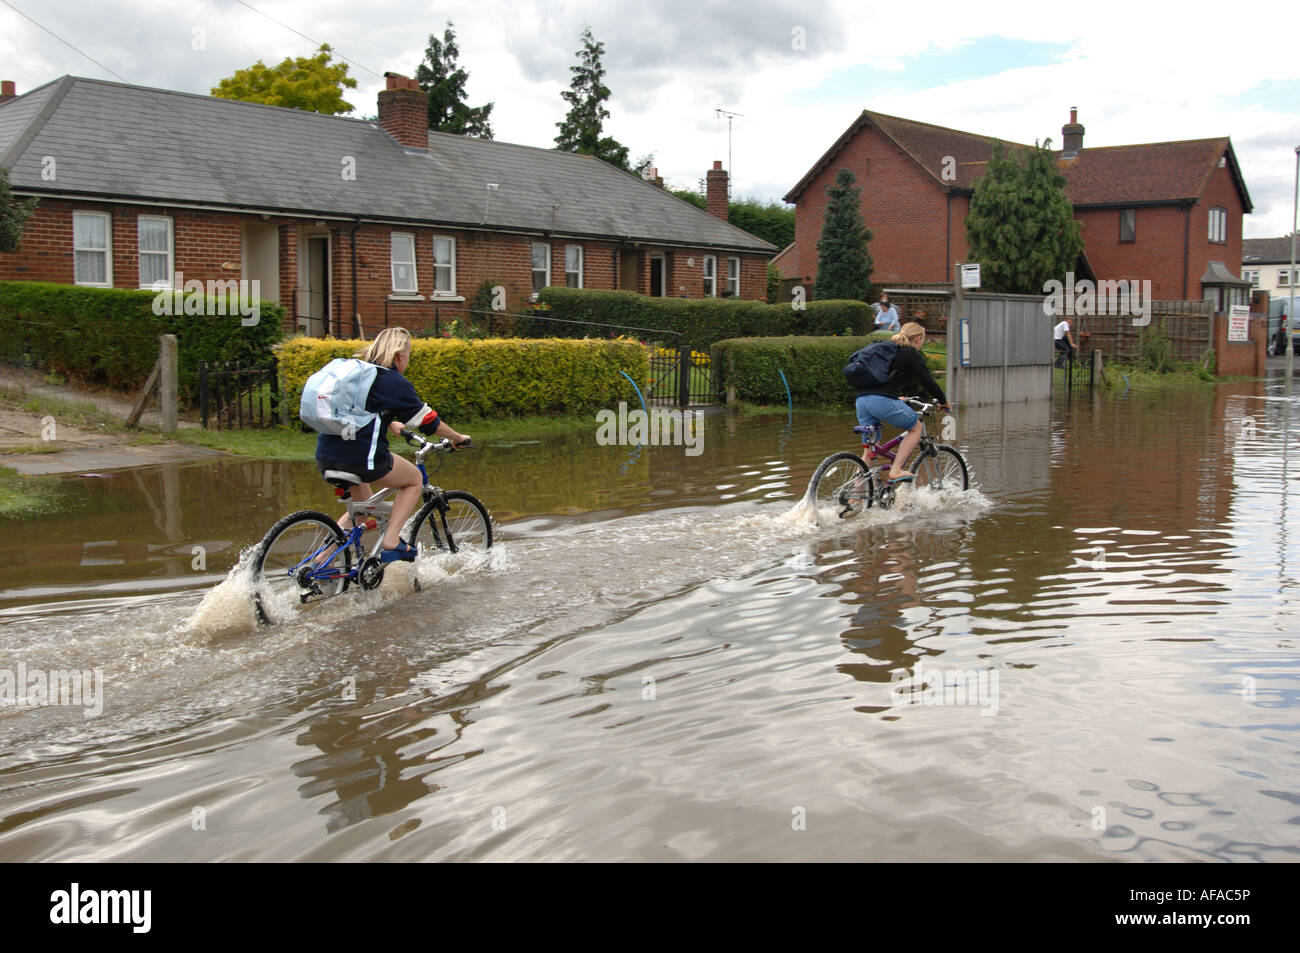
492,377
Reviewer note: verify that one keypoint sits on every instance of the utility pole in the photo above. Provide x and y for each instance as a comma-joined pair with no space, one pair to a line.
1290,313
719,112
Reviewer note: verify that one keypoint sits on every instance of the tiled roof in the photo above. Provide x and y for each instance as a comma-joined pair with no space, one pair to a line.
1108,175
1267,251
119,141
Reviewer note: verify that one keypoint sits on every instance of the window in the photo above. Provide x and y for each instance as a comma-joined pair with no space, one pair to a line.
444,265
541,266
403,263
710,276
1252,277
155,251
90,248
1128,224
573,266
1283,274
1218,224
733,277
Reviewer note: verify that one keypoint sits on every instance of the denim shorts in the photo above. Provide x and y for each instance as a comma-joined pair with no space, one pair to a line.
876,408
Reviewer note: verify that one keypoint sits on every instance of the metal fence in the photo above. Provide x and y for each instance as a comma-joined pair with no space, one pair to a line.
233,397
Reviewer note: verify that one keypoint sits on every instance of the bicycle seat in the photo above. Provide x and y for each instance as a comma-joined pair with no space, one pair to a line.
339,477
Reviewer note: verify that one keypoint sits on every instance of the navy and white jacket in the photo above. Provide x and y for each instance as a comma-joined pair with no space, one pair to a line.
392,397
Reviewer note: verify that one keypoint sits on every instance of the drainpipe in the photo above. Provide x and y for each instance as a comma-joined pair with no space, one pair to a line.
356,315
947,249
1187,238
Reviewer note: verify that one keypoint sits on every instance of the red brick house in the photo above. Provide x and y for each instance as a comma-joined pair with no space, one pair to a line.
341,220
1169,212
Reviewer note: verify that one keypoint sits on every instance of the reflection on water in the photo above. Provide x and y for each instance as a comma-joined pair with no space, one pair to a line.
667,657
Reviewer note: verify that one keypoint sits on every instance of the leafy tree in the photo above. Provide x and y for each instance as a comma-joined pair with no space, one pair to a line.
13,215
843,263
310,83
443,82
694,196
773,282
771,221
1021,226
581,129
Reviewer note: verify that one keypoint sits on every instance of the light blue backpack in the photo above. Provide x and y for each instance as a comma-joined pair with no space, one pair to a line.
334,398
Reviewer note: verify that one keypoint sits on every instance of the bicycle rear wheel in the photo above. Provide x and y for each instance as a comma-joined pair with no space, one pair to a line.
844,483
454,523
944,470
284,560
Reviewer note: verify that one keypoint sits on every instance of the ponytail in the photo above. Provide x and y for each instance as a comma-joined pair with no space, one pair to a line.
909,331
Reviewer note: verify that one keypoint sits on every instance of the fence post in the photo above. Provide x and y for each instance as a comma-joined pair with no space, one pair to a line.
167,380
683,376
203,393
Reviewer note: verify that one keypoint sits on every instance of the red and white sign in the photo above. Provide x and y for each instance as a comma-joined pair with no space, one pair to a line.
1239,323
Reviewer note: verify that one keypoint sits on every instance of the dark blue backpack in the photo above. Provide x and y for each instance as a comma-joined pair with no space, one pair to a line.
869,366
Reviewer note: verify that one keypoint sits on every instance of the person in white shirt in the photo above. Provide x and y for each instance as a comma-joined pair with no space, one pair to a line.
1063,341
886,315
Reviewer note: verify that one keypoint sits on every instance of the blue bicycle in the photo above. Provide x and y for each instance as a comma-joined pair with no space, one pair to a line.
306,557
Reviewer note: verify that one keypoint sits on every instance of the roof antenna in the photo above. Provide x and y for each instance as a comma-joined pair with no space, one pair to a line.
718,113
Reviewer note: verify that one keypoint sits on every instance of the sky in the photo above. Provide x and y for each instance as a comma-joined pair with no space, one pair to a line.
796,73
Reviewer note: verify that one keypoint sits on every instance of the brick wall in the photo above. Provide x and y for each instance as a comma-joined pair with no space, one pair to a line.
1156,255
1240,358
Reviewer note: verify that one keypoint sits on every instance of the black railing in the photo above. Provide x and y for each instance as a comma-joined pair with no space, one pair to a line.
1078,371
232,397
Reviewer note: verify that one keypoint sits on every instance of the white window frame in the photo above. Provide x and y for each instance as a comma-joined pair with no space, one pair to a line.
581,264
1220,215
1284,277
171,250
449,267
106,251
734,292
710,275
546,283
1252,277
394,261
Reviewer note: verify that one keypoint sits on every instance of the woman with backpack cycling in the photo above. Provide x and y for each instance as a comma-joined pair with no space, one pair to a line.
879,401
365,452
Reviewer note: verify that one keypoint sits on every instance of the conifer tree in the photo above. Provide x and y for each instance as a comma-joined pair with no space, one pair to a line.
843,263
581,129
443,82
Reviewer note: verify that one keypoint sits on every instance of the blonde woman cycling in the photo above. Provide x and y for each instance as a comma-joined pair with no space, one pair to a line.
393,399
880,402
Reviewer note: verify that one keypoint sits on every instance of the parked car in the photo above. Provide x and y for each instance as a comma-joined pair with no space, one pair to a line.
1277,312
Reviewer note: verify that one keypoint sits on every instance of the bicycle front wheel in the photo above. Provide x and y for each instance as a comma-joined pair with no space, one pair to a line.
283,566
842,483
456,522
945,469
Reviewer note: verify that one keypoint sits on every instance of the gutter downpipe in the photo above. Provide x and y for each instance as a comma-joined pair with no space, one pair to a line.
356,314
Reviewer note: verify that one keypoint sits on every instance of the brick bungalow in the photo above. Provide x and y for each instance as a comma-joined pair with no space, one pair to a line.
341,220
1170,212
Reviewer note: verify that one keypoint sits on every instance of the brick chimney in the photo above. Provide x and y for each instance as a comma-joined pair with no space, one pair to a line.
7,91
654,178
715,191
1072,134
404,111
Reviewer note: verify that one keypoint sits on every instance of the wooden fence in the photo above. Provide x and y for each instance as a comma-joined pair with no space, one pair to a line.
1189,325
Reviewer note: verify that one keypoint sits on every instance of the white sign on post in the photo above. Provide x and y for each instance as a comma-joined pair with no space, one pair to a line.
1239,323
970,277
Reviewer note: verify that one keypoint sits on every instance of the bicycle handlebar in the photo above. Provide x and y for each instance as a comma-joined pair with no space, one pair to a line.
442,446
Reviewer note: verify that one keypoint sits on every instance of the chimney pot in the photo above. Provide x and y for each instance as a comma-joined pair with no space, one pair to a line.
717,164
1072,135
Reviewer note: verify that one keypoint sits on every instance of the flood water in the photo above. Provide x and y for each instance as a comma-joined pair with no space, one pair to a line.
667,657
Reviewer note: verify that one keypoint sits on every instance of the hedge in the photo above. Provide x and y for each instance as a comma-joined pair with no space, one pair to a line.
813,366
492,377
701,321
108,337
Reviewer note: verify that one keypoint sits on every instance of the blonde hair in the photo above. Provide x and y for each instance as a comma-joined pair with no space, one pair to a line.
910,330
388,343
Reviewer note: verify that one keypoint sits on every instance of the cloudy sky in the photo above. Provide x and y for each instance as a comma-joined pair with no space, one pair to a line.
796,72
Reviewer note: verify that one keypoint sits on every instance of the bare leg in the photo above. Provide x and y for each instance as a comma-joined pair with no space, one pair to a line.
904,451
360,493
405,478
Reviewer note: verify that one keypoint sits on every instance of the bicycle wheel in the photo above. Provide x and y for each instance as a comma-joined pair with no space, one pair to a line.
456,522
944,470
839,484
284,558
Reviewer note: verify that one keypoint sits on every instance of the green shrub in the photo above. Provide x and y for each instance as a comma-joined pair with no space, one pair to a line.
493,377
108,337
699,321
1155,350
813,366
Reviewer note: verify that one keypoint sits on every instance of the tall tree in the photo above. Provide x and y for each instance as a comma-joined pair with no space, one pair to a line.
1021,227
581,129
13,215
443,82
311,83
843,263
771,221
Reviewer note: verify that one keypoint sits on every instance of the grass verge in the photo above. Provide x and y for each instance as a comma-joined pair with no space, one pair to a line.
24,496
